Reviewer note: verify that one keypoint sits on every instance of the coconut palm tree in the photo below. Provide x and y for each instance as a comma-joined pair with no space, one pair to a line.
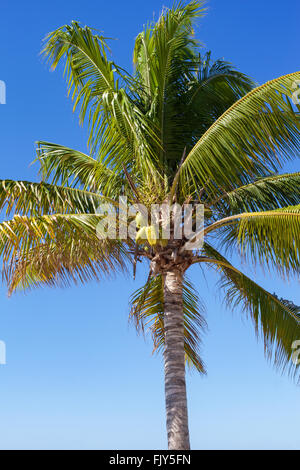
180,129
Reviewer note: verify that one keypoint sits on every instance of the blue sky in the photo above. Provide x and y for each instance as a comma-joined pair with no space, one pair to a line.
77,376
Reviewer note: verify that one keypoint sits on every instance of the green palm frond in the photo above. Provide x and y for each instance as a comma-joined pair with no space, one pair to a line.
268,193
213,87
148,310
163,51
62,261
22,234
163,56
211,79
269,237
276,321
256,134
27,198
57,249
95,84
66,166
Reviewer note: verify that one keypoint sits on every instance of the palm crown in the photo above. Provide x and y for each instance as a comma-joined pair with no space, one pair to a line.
181,128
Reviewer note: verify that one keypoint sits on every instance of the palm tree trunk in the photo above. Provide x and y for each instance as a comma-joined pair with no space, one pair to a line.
175,387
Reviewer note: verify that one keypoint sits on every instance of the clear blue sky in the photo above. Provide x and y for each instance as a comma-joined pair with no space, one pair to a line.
77,376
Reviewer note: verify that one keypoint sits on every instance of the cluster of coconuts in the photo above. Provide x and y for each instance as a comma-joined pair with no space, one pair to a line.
148,233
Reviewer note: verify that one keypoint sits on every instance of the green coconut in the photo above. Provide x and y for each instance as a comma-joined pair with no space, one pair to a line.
141,235
140,220
151,235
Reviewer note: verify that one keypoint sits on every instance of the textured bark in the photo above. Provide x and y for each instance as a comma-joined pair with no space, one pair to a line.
175,387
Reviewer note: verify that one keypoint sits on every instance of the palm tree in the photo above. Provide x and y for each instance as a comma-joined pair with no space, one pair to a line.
182,129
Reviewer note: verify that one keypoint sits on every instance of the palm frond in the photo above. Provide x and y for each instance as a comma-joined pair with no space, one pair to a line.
165,48
276,321
268,193
269,237
213,87
23,235
28,198
256,135
66,166
95,83
212,79
163,55
62,261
